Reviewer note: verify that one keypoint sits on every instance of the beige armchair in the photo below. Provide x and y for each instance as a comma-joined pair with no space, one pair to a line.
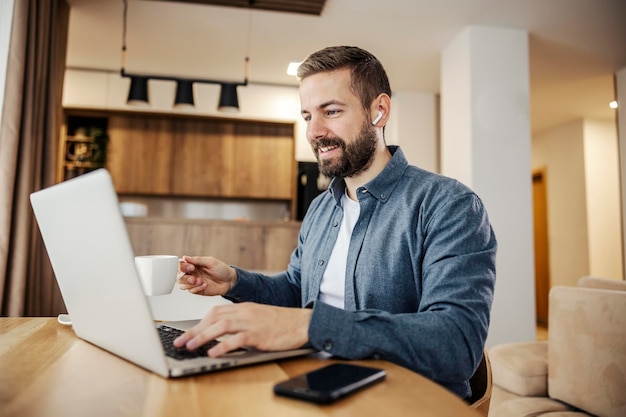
580,370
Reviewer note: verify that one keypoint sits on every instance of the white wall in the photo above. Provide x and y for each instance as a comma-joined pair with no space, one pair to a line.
413,126
560,151
603,198
620,81
581,164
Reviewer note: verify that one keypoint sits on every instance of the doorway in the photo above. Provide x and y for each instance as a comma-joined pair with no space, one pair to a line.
542,269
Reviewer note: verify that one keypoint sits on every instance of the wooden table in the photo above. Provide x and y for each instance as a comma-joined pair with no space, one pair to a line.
45,370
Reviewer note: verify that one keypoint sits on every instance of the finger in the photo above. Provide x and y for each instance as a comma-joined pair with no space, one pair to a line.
219,321
207,329
187,287
182,340
204,336
188,281
193,337
198,290
227,344
186,267
196,260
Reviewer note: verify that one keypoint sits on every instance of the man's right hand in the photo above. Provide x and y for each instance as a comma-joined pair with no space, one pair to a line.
206,275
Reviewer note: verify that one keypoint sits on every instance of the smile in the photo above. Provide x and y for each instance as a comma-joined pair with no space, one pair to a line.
325,149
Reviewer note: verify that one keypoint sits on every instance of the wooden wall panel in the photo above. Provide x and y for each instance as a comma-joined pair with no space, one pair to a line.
268,152
251,245
157,238
140,154
202,166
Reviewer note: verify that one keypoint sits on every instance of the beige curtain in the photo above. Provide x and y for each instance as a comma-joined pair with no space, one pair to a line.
30,125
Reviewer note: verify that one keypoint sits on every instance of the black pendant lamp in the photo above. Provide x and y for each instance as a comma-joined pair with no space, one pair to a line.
138,92
184,94
229,102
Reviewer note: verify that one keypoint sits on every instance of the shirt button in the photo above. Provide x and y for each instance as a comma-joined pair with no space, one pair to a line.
328,345
377,356
383,196
320,262
335,223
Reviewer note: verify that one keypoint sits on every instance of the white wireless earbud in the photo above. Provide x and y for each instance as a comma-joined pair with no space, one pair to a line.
377,119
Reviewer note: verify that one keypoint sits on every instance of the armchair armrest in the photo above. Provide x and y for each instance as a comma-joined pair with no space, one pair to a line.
521,368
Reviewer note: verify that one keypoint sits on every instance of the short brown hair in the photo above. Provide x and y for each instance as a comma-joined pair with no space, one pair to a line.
369,78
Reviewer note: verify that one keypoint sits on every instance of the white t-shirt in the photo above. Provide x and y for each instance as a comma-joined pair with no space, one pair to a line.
332,289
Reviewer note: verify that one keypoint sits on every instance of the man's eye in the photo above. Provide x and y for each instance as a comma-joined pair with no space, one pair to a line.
333,112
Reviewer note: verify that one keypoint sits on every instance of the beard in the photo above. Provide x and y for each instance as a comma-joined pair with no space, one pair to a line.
356,156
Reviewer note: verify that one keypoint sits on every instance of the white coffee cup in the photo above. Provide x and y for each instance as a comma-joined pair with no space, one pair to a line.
157,273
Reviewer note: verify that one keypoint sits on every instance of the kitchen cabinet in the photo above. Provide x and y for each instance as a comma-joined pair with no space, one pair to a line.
201,158
151,154
268,154
140,154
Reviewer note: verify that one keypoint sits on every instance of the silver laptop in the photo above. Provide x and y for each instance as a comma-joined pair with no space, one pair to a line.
93,261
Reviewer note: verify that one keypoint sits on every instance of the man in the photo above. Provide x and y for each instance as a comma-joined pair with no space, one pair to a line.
392,262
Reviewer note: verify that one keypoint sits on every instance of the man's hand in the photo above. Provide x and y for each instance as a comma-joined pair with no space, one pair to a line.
260,326
206,275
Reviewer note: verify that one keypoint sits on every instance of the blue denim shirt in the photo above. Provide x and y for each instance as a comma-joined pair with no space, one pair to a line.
419,280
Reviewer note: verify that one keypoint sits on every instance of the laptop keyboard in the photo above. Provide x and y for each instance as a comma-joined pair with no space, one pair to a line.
168,334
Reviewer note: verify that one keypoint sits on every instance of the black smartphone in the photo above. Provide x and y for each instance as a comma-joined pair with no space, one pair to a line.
330,383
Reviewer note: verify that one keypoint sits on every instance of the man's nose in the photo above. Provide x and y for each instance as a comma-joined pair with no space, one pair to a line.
316,129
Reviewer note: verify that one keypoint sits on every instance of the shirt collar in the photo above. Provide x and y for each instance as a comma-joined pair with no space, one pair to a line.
380,187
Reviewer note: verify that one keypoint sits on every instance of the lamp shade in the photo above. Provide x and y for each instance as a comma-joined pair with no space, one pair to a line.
184,94
228,98
138,93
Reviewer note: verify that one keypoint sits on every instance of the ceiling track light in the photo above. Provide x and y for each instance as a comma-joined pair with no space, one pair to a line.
138,92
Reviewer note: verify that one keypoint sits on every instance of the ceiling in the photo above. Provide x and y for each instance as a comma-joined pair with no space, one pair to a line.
575,45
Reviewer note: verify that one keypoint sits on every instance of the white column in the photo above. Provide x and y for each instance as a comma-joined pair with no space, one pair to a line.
486,144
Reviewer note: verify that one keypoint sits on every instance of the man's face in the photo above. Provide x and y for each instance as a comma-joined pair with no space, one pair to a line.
338,130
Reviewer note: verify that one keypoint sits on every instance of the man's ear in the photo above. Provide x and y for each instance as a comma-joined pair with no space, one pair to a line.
380,109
